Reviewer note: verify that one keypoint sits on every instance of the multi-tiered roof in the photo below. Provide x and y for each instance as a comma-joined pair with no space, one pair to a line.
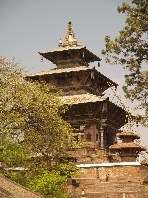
128,148
83,87
71,58
70,53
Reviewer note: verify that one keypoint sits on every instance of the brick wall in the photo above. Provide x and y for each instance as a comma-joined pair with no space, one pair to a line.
115,182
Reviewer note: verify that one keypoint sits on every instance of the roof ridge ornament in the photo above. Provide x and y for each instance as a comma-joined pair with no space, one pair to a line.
60,43
70,39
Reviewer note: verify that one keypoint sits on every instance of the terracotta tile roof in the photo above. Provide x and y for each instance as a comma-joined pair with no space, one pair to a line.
123,145
73,69
129,134
57,71
10,189
81,98
90,56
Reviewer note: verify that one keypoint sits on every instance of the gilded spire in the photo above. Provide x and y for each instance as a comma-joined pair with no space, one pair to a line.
70,38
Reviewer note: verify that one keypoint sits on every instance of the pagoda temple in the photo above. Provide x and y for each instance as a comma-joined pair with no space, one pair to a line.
94,118
96,121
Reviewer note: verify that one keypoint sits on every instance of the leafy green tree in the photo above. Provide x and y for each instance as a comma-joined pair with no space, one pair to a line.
33,134
49,184
130,49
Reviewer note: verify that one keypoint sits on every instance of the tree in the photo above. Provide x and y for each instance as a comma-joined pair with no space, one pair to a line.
130,49
33,134
49,184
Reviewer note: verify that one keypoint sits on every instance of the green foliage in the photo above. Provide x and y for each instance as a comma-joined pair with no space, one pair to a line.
13,154
21,177
38,179
130,49
49,184
29,109
33,134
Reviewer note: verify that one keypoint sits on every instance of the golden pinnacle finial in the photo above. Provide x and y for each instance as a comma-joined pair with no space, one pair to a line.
70,37
60,42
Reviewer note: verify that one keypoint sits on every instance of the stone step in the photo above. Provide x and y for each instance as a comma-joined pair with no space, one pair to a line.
114,188
96,186
114,180
130,194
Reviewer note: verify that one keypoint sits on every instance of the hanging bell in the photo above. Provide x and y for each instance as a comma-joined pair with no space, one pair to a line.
83,54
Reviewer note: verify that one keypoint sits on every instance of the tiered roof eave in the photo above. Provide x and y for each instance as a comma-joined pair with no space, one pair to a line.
55,71
51,55
127,142
128,134
124,145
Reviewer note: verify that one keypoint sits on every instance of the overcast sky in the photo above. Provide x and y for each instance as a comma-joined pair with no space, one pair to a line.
31,26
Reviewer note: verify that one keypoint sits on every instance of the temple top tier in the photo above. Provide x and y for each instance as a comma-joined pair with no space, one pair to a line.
70,53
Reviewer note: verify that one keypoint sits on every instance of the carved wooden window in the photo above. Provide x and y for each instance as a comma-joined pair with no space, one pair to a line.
88,136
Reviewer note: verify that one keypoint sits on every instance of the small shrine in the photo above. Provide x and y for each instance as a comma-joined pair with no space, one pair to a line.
128,149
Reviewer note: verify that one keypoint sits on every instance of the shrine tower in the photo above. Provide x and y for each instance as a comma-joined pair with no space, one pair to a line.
128,149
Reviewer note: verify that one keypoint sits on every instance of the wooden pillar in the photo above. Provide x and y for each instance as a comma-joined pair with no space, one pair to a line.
102,133
102,137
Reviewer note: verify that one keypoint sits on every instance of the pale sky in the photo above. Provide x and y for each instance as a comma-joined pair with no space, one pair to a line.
31,26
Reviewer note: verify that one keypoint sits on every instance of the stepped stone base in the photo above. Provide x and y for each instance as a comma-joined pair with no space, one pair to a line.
111,182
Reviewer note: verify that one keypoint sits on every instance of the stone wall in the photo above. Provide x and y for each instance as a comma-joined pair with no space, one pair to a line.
111,181
90,155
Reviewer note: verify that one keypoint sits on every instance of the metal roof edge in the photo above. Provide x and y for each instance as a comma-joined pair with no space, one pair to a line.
109,164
